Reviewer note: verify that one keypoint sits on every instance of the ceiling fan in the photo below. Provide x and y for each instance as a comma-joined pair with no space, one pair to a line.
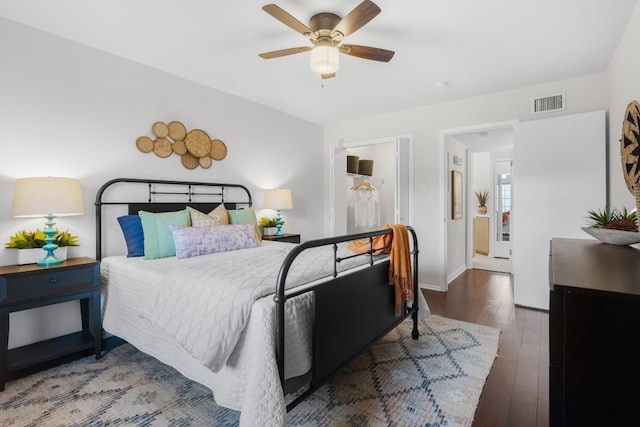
326,32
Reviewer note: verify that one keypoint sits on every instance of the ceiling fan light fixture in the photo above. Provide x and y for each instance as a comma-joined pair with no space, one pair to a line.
325,59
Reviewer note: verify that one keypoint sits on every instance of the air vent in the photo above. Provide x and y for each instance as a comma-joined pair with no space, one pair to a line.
547,104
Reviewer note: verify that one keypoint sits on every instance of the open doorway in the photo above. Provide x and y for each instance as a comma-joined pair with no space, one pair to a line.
482,147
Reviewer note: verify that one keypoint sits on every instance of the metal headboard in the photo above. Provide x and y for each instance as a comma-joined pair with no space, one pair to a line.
214,194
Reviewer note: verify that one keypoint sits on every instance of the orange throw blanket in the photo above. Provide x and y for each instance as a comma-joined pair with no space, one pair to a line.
400,274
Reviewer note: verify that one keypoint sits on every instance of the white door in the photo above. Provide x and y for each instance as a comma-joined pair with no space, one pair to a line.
502,209
559,171
338,192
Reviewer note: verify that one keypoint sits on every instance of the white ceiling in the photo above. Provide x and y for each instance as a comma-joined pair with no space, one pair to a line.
477,47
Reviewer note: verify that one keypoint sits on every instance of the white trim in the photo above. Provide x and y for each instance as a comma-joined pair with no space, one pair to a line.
455,274
429,287
485,126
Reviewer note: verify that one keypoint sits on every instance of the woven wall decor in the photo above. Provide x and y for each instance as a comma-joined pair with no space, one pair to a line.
630,151
630,145
194,147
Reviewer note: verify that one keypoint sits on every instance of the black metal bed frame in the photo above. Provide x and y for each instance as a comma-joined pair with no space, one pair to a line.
190,190
352,310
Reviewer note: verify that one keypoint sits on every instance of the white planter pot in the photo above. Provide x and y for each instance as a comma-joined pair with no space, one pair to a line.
268,231
32,256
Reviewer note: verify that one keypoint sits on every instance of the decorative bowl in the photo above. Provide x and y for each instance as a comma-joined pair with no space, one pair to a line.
613,237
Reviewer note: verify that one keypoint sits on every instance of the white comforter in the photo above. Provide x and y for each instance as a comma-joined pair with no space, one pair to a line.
249,380
205,305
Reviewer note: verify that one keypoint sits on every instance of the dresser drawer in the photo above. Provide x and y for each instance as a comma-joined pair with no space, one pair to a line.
22,287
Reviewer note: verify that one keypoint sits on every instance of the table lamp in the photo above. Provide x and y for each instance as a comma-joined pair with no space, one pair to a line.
278,199
47,197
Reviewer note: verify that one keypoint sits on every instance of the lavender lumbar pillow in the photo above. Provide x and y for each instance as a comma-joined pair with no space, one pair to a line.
196,241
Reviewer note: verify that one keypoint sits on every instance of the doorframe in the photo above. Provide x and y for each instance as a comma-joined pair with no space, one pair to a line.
444,179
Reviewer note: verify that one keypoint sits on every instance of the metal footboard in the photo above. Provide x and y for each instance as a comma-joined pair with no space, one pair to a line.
352,311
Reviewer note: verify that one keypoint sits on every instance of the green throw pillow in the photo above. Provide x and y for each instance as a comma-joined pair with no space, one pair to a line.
158,239
244,216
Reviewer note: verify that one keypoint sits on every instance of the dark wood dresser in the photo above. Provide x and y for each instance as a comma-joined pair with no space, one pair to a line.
594,334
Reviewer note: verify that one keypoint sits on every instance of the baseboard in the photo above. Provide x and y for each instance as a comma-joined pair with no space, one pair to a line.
430,287
456,273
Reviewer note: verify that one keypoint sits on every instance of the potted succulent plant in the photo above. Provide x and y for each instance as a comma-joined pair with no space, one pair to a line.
483,198
30,243
268,226
614,226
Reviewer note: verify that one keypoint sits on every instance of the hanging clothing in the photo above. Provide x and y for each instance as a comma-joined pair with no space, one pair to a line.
367,205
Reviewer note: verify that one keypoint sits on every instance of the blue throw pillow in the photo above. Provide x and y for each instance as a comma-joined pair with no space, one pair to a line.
133,235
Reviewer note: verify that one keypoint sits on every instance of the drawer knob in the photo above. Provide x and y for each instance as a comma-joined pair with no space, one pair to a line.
53,280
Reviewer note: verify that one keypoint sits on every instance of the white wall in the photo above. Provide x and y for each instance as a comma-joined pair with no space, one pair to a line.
456,228
623,85
584,94
482,178
69,110
552,193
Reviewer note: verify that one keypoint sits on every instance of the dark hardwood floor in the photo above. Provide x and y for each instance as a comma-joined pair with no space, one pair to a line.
517,390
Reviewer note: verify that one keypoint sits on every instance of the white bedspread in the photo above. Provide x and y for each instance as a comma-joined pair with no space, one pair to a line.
249,380
205,305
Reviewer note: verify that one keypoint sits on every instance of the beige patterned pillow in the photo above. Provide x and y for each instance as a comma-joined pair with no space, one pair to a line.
218,216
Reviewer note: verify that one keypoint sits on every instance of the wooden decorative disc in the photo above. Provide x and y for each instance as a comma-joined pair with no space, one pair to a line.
162,147
144,144
218,150
189,161
198,143
177,131
630,145
205,162
160,129
179,148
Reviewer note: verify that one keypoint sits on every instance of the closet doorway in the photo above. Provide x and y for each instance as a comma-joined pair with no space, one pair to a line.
384,192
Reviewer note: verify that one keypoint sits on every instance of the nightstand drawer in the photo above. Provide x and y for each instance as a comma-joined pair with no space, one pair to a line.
22,287
48,280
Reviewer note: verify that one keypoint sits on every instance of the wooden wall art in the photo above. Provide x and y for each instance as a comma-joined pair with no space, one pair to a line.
630,151
194,147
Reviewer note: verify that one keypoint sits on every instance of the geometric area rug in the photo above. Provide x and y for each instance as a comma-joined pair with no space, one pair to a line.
433,381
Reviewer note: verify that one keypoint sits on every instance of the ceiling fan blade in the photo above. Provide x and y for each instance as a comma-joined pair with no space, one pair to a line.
284,52
366,52
357,18
328,75
286,19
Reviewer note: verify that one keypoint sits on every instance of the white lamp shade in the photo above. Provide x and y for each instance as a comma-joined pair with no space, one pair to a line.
325,59
278,199
36,197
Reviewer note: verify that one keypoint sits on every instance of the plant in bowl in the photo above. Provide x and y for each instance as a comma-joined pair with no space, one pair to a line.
268,222
615,226
269,225
483,198
35,240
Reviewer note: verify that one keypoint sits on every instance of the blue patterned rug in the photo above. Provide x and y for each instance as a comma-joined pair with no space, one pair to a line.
433,381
